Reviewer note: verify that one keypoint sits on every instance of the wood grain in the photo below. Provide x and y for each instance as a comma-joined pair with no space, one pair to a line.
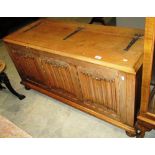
92,41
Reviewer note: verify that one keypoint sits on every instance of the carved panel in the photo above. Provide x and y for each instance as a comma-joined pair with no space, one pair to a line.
99,93
27,65
61,77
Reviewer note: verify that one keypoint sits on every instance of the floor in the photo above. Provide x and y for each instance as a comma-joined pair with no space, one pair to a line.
10,130
42,116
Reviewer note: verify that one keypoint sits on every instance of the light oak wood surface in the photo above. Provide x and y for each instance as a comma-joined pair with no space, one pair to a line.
93,40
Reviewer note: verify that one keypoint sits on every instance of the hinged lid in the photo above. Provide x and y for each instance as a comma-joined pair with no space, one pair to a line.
97,44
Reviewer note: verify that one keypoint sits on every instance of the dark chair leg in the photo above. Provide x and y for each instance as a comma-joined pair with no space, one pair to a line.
92,21
98,20
1,87
4,79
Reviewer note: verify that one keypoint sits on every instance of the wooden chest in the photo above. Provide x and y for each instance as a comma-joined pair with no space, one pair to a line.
89,70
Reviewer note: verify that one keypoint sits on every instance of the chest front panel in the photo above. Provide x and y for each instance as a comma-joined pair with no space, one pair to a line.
61,77
100,89
103,90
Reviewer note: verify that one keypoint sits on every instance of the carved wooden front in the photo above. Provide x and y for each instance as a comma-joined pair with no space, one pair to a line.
61,77
100,90
27,64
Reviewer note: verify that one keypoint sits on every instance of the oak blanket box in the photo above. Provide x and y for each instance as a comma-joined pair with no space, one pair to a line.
85,66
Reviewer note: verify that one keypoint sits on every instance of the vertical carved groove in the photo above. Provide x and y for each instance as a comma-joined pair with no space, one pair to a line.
95,93
82,79
65,80
103,91
62,85
98,91
70,82
113,95
31,68
52,76
60,77
109,94
106,94
88,88
91,88
115,98
57,78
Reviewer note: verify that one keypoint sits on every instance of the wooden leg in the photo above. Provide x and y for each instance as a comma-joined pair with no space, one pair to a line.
26,87
4,79
140,134
141,129
130,134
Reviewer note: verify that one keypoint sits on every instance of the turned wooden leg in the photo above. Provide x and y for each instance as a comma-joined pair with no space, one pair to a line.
130,134
4,79
140,133
141,129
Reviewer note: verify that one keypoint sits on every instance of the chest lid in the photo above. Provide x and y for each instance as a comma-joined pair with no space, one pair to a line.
103,45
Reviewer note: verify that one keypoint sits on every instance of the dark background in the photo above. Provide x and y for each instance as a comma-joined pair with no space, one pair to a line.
10,24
